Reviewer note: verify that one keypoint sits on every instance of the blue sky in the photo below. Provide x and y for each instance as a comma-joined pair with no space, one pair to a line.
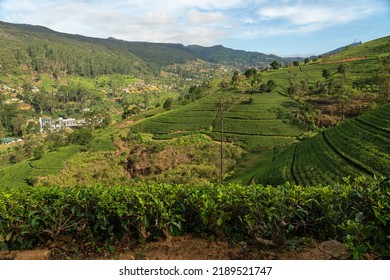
282,27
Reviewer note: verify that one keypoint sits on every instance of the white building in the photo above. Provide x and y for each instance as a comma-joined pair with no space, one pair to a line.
67,122
45,124
49,124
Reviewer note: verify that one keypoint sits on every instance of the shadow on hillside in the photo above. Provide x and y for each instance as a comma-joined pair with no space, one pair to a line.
289,104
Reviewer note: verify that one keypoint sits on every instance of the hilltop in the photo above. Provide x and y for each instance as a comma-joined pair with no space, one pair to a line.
371,49
337,50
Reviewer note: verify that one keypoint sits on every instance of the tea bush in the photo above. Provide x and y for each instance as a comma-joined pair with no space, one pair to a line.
356,212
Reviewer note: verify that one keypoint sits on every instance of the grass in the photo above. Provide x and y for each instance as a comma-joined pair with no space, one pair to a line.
54,161
148,114
258,127
279,170
361,61
361,147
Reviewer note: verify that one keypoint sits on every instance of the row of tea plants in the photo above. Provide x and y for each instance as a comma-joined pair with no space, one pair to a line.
356,212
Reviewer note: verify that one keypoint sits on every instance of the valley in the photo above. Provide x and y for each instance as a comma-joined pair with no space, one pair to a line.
208,136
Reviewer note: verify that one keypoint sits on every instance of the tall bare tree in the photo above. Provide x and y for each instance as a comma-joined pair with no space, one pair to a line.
226,103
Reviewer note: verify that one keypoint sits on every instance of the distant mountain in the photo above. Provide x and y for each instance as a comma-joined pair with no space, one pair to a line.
28,48
40,49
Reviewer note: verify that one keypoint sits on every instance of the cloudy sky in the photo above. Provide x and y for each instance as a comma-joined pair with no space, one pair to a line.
282,27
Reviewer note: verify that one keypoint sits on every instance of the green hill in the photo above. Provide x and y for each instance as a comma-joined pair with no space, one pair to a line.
36,48
374,48
27,171
338,50
260,125
25,48
360,146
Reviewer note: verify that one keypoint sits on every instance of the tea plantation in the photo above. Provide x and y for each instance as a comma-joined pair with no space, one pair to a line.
259,125
360,146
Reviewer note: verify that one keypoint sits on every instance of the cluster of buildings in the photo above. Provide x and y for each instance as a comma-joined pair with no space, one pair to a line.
47,124
142,86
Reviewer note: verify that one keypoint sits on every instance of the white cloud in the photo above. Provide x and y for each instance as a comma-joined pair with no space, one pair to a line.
318,15
156,21
187,21
207,4
195,17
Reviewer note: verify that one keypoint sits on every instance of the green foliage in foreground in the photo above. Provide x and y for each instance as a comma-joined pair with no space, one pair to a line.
357,213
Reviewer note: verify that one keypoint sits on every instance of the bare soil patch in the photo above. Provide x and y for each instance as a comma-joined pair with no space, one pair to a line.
345,60
187,247
331,111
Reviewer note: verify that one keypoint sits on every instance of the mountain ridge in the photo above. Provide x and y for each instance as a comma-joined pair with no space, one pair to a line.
79,54
150,53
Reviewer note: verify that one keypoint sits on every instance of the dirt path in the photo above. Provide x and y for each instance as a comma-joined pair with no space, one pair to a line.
195,248
187,247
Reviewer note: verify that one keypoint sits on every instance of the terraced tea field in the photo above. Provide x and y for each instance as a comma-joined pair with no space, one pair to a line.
360,146
19,173
25,172
262,124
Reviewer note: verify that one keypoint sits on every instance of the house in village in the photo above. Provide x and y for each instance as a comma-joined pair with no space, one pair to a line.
45,124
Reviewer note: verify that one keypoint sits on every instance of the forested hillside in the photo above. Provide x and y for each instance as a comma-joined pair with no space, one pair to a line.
36,48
